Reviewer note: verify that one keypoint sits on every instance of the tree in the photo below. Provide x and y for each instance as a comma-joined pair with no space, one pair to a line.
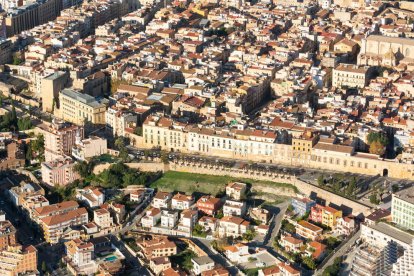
332,242
377,136
394,188
24,124
333,269
289,227
83,169
138,131
164,158
249,235
376,148
16,60
44,267
350,190
321,180
373,198
309,262
120,146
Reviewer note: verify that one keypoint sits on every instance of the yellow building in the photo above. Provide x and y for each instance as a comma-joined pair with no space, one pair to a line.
330,216
302,146
79,108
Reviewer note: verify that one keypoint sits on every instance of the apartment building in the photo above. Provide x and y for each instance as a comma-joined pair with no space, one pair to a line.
49,87
381,234
373,260
169,218
54,226
18,260
350,75
17,193
27,16
87,148
181,201
162,200
117,120
236,190
157,247
7,233
209,205
91,197
102,218
308,230
151,218
80,108
302,205
234,208
60,137
402,208
55,209
59,172
79,257
325,214
5,51
202,264
230,226
188,218
405,264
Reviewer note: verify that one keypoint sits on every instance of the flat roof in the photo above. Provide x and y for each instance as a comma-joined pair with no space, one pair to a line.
392,232
406,195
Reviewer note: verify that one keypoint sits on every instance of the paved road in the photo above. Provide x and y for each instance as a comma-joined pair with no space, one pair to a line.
340,252
277,222
136,268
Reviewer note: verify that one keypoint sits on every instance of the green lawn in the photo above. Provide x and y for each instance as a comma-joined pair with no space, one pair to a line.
208,184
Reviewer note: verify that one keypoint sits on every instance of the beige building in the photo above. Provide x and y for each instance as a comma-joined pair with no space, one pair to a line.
90,147
79,108
18,260
54,226
262,146
102,218
59,172
50,86
25,17
386,51
351,76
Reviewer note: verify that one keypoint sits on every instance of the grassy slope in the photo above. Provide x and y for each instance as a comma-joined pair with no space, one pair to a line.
209,184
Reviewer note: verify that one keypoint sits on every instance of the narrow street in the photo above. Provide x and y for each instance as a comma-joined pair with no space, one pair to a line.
339,252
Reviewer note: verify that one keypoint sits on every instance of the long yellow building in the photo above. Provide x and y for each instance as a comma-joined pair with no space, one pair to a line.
267,146
80,108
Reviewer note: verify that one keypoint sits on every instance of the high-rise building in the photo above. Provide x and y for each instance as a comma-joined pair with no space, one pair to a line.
18,260
60,139
373,260
402,208
405,264
382,245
